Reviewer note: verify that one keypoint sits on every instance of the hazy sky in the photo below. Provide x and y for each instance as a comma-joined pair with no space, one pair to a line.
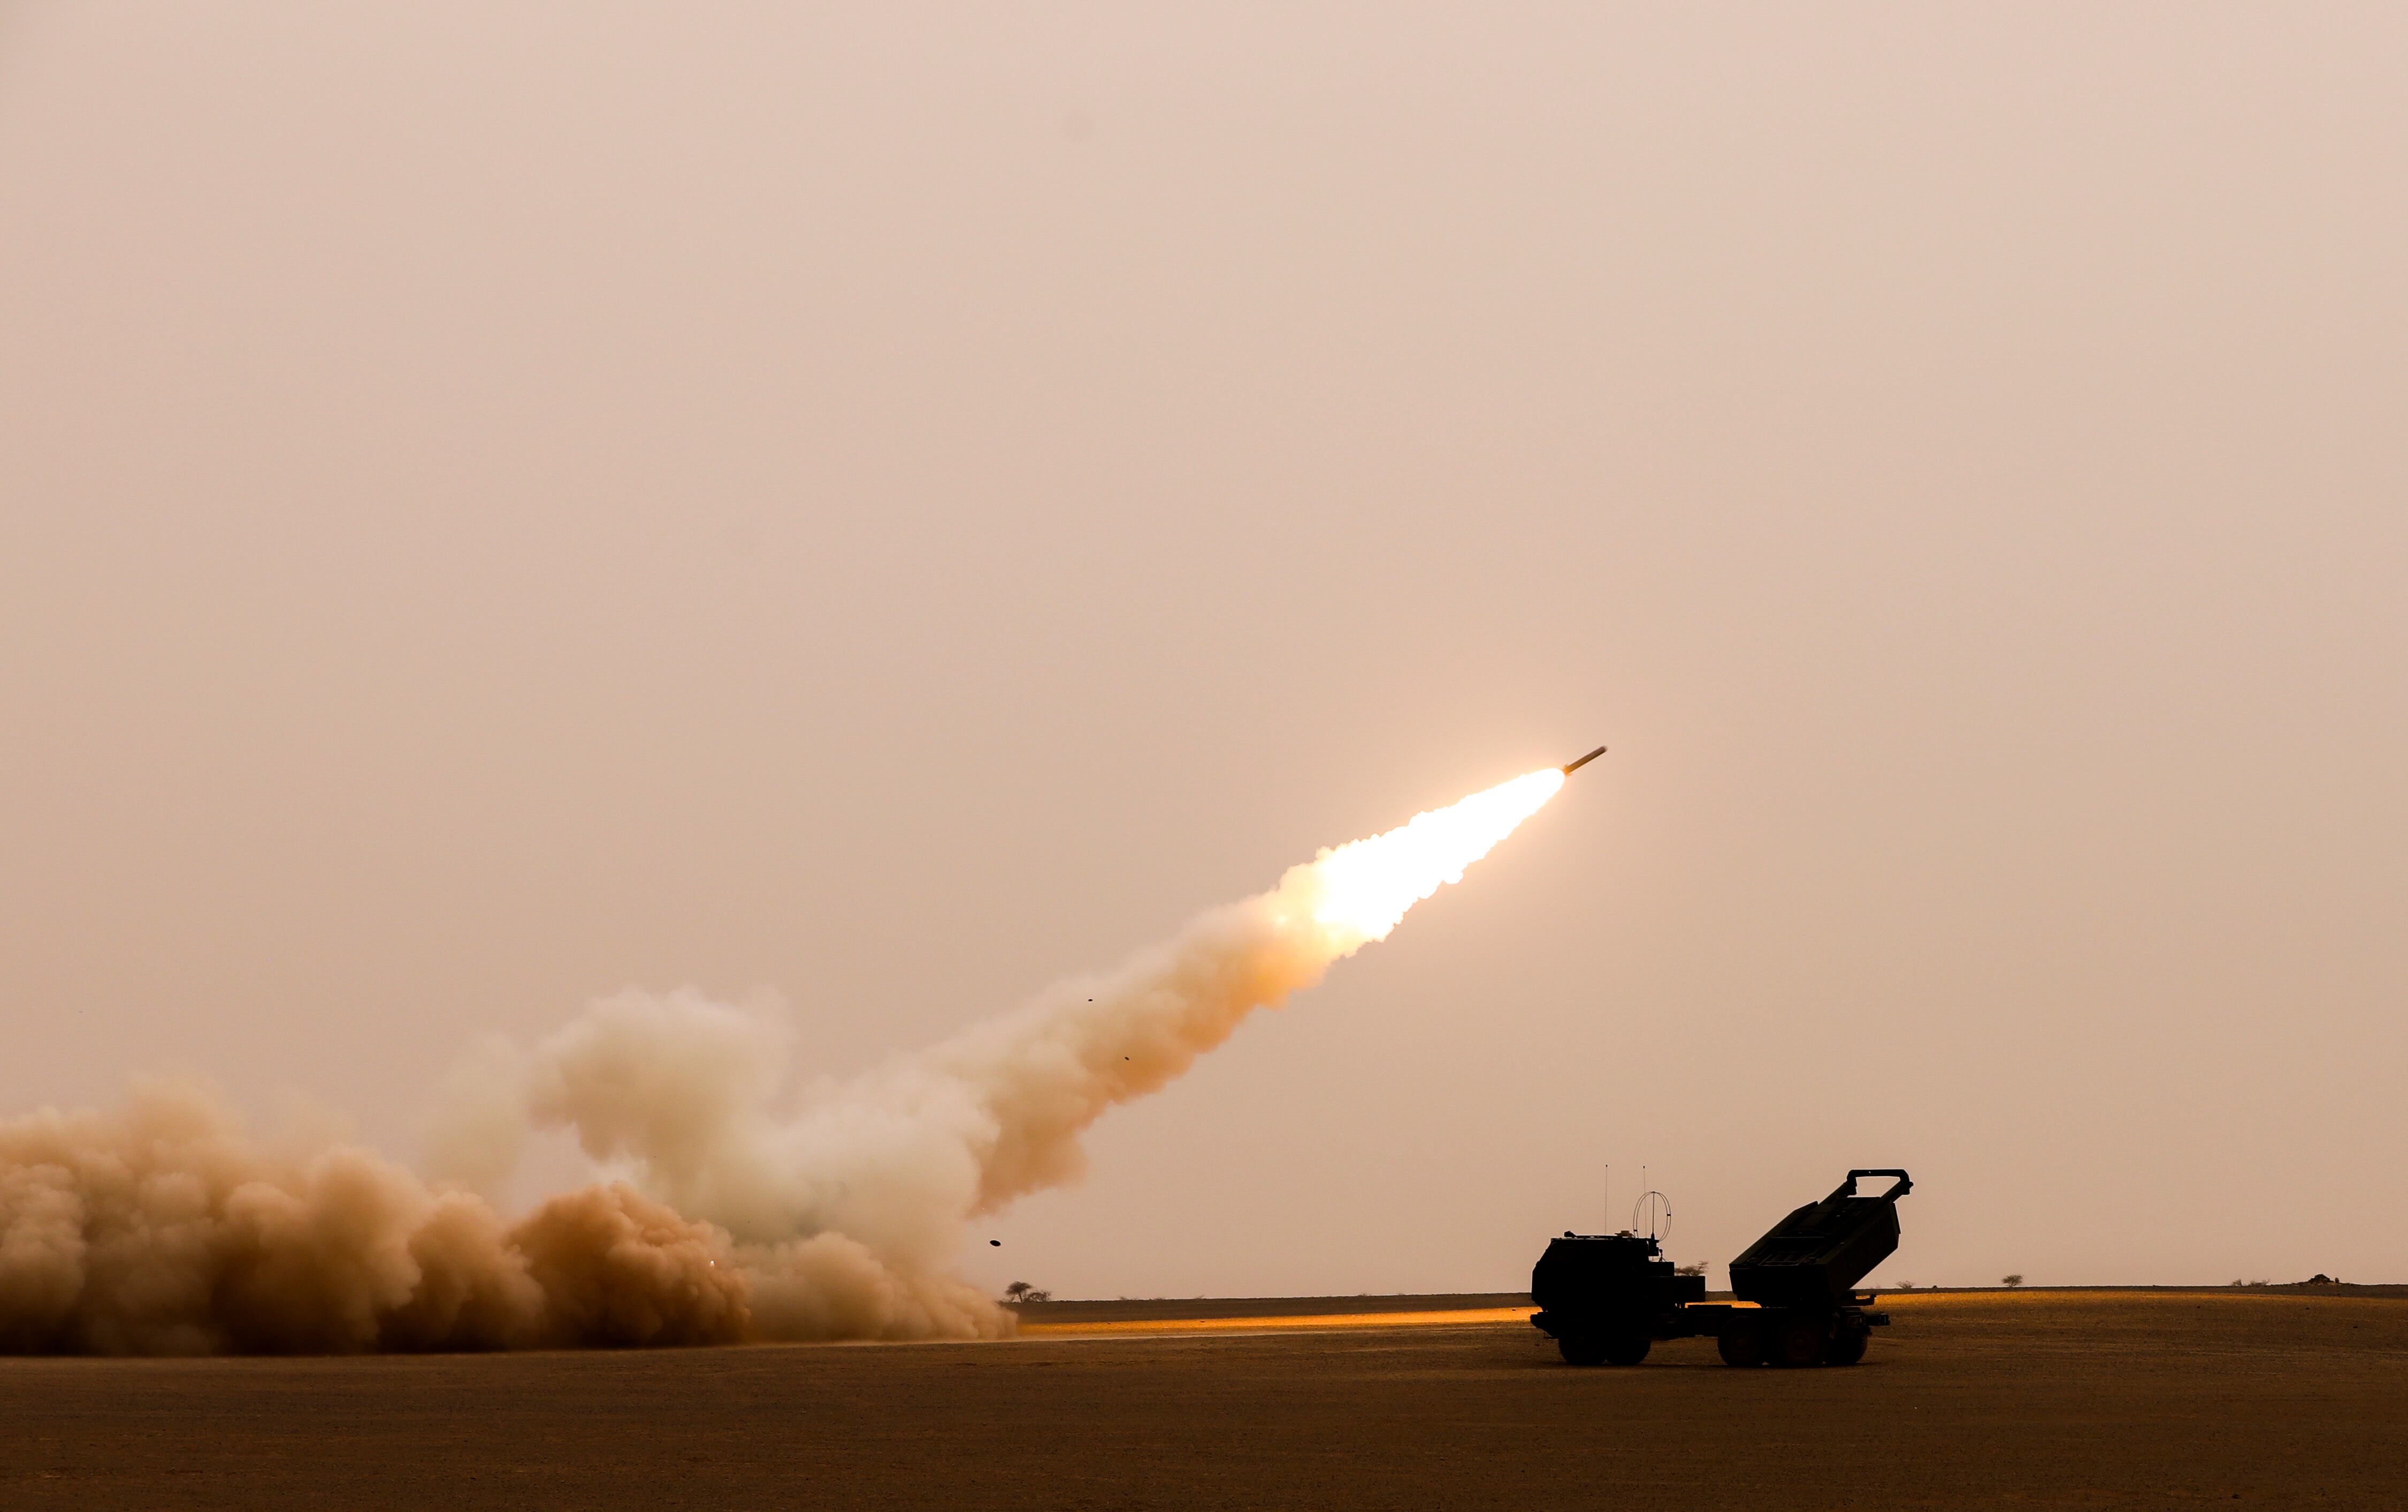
889,504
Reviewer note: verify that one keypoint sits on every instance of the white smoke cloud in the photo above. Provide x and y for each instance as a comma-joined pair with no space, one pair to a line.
751,1214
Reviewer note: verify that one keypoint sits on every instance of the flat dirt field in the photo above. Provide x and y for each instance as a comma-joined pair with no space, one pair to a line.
2033,1399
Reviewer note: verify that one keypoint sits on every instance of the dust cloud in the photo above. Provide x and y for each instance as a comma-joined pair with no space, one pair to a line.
746,1208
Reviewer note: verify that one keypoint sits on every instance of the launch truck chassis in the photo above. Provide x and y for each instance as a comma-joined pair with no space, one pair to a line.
1605,1298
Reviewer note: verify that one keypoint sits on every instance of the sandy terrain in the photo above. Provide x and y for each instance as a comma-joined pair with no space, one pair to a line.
2047,1399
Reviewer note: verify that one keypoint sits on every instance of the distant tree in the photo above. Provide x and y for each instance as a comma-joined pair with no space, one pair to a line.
2016,1280
1017,1292
1696,1269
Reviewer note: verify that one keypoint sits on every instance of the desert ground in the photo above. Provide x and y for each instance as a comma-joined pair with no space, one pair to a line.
2027,1399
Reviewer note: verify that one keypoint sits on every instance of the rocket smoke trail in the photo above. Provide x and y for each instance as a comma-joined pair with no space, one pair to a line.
163,1227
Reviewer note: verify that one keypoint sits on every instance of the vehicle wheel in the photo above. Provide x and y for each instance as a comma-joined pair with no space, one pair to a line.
1740,1344
1627,1348
1581,1349
1798,1340
1847,1346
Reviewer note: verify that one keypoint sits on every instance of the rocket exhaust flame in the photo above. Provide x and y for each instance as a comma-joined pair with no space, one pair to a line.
162,1229
1366,887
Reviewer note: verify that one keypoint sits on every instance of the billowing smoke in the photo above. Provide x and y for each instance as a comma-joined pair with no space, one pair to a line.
165,1229
747,1211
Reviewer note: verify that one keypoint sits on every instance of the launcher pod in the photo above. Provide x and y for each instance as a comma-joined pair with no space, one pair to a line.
1605,1298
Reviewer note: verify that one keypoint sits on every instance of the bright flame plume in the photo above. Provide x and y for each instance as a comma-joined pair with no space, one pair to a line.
1366,887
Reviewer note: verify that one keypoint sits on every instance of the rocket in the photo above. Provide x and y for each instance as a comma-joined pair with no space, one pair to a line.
1584,761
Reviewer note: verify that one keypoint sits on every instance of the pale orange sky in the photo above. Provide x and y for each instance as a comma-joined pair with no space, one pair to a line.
891,505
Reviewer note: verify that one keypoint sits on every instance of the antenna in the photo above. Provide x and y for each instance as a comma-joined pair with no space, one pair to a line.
1652,1212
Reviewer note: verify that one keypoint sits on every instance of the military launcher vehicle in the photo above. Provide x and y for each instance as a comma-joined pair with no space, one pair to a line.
1605,1298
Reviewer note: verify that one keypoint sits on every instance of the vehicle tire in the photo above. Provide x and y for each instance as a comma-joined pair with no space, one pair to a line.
1847,1346
1740,1344
1798,1339
1582,1348
1627,1348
